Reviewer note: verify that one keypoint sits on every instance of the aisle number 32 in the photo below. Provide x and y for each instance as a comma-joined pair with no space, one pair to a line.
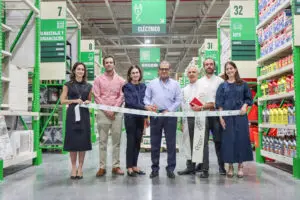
238,10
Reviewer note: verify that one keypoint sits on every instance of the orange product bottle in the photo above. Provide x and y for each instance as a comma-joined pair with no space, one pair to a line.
270,87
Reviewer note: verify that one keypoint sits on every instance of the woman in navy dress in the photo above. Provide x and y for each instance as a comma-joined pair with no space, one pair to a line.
78,133
234,94
134,92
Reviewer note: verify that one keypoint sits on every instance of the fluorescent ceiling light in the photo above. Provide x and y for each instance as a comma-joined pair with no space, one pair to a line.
120,54
147,41
175,53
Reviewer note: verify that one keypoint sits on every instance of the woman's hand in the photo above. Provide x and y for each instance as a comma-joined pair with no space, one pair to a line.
196,107
244,109
223,124
146,123
78,101
87,102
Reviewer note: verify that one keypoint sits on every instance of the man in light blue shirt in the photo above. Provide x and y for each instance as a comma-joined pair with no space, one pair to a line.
163,95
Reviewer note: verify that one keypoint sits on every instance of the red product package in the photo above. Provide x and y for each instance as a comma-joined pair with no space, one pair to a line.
196,101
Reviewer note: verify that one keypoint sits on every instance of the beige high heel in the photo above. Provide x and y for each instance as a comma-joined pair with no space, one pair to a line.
240,173
230,171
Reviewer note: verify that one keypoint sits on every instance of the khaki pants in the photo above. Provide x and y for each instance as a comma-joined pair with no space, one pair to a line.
115,126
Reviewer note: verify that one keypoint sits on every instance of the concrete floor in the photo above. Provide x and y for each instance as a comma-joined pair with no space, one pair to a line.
51,181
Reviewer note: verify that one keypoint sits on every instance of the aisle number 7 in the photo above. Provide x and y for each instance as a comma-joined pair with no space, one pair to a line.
238,10
59,10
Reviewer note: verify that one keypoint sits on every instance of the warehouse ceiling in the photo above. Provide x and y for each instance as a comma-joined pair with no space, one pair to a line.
189,22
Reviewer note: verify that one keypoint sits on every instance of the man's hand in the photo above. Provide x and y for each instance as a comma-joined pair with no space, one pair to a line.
151,108
196,107
223,124
110,115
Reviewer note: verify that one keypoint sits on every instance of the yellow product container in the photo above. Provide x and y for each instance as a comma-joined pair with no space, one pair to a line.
271,119
275,116
285,116
280,116
284,84
263,87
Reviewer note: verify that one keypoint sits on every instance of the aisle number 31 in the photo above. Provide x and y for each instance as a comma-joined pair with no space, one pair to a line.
238,10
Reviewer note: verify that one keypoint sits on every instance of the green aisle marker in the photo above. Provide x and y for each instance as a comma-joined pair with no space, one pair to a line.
149,61
149,16
88,57
242,30
208,50
53,40
149,57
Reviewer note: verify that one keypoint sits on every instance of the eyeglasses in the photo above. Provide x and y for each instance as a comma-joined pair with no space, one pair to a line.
164,69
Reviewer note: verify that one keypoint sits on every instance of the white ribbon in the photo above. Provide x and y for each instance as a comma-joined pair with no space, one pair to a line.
77,113
167,114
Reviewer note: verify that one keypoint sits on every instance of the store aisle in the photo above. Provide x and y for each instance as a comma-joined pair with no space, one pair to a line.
51,181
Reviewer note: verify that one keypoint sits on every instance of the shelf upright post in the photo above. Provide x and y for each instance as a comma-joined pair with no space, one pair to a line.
296,54
78,45
1,10
259,158
36,88
219,50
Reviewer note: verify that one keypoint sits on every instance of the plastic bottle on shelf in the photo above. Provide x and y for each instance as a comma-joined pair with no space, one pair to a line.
280,116
275,115
285,112
294,148
271,118
288,83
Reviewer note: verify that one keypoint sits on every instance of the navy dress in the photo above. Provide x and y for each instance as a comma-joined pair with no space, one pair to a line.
78,134
134,124
236,146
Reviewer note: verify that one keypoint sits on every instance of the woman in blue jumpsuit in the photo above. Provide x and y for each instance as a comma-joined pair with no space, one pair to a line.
234,94
134,93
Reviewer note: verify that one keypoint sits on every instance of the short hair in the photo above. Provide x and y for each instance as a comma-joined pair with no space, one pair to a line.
209,59
108,56
165,62
129,72
189,67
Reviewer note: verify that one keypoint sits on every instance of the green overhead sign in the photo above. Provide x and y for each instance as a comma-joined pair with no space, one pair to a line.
148,16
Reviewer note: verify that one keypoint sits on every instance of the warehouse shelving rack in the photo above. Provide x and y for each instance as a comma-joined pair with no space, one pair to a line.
7,52
286,49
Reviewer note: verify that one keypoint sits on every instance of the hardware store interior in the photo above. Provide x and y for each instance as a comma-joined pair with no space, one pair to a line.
169,40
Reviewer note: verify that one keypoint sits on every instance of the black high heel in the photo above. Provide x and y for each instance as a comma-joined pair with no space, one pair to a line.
79,177
73,177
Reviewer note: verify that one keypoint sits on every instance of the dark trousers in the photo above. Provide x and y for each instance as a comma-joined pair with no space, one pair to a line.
213,125
168,124
134,131
191,125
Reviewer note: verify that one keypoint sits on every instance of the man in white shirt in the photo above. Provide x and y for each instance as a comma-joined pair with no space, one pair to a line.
189,92
207,94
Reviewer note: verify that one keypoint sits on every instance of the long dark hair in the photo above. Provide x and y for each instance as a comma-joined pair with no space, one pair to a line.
129,79
73,75
238,79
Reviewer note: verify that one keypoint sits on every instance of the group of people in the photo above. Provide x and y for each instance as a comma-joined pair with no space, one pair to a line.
163,94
